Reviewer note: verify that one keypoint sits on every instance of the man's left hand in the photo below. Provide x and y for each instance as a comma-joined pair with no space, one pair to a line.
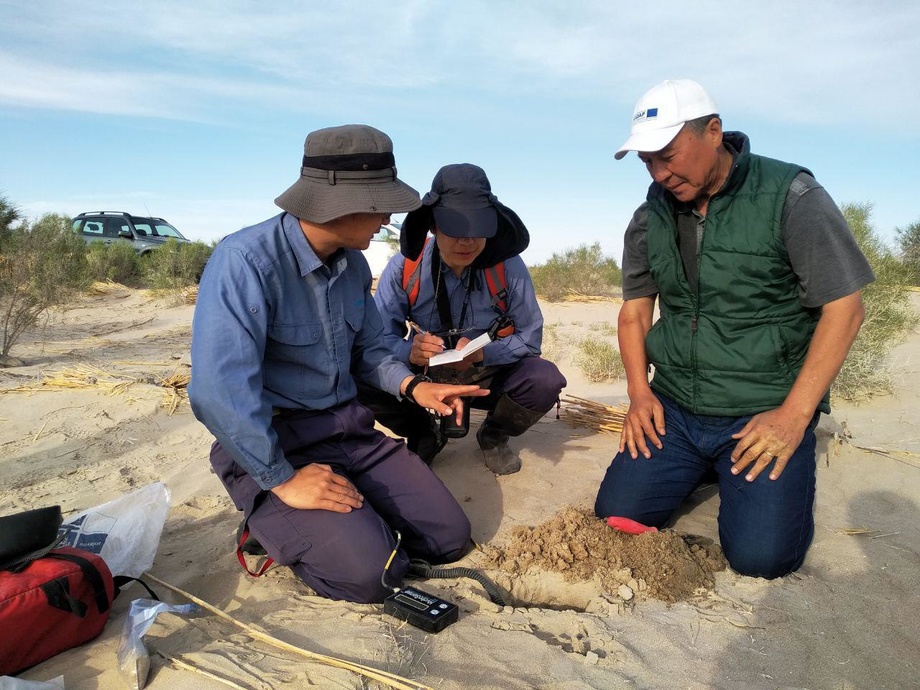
769,438
444,398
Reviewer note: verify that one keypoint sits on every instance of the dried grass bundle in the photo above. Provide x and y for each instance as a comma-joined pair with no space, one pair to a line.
588,414
190,294
78,377
104,287
175,385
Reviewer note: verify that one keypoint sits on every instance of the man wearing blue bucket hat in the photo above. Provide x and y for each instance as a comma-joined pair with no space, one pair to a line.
466,281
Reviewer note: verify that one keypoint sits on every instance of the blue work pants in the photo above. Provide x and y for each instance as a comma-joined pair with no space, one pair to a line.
765,527
342,555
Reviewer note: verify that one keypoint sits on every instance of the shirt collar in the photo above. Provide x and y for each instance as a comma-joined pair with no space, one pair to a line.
306,258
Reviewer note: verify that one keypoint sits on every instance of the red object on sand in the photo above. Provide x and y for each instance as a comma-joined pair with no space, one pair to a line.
629,526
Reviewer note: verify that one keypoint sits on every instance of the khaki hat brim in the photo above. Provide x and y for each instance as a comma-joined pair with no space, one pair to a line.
317,201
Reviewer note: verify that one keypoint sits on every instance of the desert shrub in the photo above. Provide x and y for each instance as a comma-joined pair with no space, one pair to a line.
117,262
175,265
604,328
551,348
909,244
580,272
42,265
9,216
599,361
889,314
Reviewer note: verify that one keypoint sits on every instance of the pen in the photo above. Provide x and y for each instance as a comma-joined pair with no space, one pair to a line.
418,329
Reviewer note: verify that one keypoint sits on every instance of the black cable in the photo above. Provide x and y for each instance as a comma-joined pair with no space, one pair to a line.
425,569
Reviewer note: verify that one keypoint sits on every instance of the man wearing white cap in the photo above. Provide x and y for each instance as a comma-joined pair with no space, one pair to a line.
758,280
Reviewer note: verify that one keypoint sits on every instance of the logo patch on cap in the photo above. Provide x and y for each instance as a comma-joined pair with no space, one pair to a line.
647,114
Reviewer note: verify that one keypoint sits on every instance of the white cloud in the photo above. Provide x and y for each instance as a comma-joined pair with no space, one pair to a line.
786,61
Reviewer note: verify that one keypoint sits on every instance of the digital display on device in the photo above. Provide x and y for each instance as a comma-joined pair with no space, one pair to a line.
403,599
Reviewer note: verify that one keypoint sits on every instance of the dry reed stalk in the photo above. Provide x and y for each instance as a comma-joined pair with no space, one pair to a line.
388,679
588,414
855,531
186,666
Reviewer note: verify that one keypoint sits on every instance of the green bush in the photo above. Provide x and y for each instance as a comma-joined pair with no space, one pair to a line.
599,361
117,262
889,314
42,265
175,265
580,272
552,348
909,243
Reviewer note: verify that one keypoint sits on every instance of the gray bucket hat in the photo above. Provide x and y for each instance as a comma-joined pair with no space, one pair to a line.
347,169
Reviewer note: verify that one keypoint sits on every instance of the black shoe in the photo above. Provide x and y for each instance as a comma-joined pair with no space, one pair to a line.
251,545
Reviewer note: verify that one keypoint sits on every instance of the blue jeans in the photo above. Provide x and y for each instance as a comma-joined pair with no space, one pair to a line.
765,526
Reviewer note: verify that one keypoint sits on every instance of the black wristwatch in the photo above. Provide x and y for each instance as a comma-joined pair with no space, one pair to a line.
417,379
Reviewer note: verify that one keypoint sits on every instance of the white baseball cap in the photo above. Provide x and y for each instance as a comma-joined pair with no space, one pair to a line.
662,111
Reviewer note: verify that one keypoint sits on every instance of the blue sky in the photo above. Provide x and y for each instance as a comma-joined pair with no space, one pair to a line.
196,111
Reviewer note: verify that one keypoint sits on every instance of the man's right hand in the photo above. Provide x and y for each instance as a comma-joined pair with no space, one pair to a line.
424,347
317,487
645,418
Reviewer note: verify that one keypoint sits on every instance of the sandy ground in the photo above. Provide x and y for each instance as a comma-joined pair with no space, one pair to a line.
850,618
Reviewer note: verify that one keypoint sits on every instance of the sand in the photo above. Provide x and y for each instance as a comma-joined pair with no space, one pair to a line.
588,608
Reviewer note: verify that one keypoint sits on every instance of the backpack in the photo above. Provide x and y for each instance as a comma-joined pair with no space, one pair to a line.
52,597
56,602
495,281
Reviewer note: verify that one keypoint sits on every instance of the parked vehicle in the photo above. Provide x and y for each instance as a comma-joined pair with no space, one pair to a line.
145,233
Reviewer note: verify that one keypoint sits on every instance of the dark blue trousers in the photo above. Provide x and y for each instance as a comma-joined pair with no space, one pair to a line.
533,383
765,526
342,555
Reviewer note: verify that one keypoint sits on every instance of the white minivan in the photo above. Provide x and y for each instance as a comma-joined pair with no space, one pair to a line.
384,245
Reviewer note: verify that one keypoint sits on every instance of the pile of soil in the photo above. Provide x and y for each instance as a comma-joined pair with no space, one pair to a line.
667,565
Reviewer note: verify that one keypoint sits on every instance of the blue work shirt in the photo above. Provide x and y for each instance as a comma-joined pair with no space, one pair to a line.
393,303
275,327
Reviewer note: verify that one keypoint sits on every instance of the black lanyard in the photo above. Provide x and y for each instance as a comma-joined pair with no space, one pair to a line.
443,299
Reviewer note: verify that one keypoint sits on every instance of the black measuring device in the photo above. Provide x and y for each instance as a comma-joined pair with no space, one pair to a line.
423,610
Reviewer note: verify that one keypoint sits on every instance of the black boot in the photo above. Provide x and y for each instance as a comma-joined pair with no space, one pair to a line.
507,419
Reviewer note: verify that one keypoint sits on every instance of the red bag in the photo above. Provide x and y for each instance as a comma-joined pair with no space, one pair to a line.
57,602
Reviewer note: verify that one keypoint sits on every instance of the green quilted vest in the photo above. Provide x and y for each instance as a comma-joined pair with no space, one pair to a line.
736,348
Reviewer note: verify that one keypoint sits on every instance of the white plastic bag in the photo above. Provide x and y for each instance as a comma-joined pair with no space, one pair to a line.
133,658
125,532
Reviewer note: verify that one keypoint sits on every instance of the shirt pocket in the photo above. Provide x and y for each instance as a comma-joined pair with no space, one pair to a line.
355,321
292,353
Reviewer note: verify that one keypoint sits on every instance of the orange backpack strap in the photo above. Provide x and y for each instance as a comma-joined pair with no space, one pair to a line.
498,288
411,282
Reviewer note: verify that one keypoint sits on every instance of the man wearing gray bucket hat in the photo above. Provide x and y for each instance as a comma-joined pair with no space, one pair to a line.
468,281
284,326
758,279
